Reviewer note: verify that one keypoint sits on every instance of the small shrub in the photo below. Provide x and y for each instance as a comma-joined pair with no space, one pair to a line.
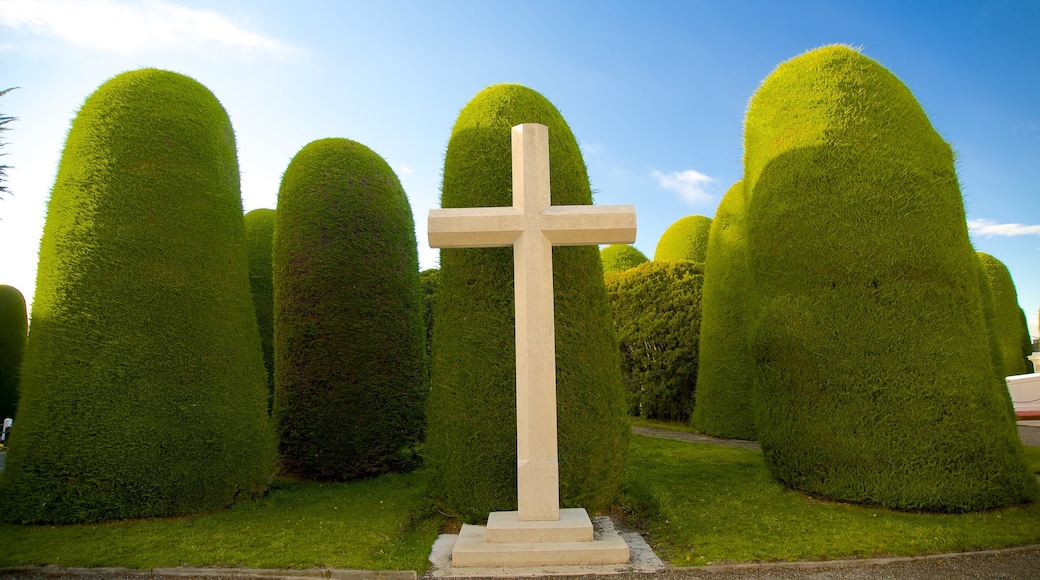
618,257
686,239
657,313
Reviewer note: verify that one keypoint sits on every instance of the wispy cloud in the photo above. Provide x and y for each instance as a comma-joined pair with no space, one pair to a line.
406,170
690,185
129,28
992,228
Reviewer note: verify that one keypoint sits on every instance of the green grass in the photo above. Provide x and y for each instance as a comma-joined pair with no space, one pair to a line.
378,524
696,503
702,504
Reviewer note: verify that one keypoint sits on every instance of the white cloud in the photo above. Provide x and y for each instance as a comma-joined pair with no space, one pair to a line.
689,184
592,148
129,28
992,228
406,170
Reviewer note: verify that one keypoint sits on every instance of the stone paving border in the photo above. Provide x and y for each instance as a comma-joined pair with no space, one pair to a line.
183,573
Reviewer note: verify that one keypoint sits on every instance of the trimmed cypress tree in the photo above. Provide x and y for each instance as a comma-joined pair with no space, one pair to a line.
686,239
471,436
1009,320
657,313
618,257
349,339
143,390
13,327
726,370
874,371
259,238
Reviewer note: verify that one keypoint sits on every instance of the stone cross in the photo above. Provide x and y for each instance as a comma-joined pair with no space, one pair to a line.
532,227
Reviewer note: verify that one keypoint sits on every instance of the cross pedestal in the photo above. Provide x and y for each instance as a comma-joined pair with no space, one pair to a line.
539,532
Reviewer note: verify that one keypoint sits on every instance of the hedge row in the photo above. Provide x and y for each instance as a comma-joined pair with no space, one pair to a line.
1009,320
13,328
259,225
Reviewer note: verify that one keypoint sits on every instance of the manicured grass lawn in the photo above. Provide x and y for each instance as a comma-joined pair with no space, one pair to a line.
378,524
702,503
697,503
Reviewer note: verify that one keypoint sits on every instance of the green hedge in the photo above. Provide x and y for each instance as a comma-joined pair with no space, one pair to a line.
875,378
618,257
259,237
349,339
1009,320
686,239
471,437
429,280
13,328
726,370
657,314
143,388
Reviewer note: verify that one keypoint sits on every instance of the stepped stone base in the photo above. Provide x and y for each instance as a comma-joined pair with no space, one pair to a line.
506,541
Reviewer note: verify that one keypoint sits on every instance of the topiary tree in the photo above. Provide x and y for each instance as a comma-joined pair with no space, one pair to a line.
657,313
471,435
875,380
259,235
143,390
348,342
686,239
1009,320
618,257
13,327
726,370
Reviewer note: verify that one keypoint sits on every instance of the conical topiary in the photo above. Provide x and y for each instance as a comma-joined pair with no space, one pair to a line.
259,236
13,327
874,372
349,338
726,370
1009,320
143,390
686,239
471,436
618,257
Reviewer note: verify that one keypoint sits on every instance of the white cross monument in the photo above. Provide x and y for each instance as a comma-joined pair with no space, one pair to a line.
539,532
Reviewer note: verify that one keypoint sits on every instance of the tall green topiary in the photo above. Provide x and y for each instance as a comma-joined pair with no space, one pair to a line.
1009,320
349,338
259,236
471,436
429,280
875,380
618,257
726,370
686,239
657,314
143,390
13,327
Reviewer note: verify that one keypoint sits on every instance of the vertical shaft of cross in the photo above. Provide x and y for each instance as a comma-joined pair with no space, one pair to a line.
538,477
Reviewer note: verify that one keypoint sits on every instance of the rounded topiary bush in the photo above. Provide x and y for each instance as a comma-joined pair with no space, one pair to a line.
686,239
726,370
618,257
875,379
1009,320
259,236
471,435
657,313
349,337
13,327
143,389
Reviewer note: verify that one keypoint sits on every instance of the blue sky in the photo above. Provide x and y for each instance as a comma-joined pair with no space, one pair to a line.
654,91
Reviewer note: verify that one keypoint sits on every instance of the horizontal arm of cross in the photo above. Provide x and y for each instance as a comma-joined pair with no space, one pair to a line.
589,225
479,227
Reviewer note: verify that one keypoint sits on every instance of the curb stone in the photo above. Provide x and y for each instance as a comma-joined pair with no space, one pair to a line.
308,574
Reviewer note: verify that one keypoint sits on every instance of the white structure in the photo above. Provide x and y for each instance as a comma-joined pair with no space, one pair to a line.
539,532
1025,391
